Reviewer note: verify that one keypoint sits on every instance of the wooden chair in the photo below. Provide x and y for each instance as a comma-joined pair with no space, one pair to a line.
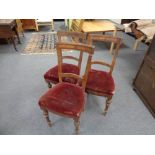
77,25
101,83
51,76
67,99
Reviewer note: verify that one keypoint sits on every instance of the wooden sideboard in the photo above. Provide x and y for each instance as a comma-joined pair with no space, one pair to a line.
29,24
144,83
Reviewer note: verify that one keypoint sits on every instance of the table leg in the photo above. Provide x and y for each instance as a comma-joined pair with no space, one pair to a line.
13,41
137,42
36,26
52,24
17,34
112,44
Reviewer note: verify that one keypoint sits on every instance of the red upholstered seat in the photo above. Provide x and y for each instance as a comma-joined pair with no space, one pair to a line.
52,74
101,82
64,98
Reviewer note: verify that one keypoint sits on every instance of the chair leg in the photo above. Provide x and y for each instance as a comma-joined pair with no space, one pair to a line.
49,84
45,113
108,102
77,125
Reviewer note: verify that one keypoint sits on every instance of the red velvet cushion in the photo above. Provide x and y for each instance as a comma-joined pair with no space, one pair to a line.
100,81
64,98
52,74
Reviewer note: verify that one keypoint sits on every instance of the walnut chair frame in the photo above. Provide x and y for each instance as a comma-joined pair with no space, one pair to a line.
117,42
76,37
81,81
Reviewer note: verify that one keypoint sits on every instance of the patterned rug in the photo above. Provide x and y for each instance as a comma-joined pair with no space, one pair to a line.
41,43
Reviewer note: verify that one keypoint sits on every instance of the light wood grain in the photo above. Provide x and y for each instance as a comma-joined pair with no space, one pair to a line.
97,26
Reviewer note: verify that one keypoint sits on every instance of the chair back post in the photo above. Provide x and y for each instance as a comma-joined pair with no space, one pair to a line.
59,57
106,38
115,54
88,67
80,47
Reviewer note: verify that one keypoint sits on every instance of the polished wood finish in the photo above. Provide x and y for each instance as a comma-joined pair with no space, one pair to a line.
144,83
8,30
29,24
76,37
117,42
61,46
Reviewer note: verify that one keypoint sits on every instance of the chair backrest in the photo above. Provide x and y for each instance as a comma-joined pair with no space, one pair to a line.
106,38
79,47
77,25
76,37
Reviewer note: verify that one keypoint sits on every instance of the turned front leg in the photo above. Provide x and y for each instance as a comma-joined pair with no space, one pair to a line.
45,113
48,84
77,125
108,102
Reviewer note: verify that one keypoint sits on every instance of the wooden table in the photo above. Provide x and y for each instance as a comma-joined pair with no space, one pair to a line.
8,29
100,26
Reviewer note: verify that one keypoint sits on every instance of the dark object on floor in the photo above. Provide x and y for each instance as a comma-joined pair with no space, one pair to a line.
8,30
99,82
66,99
144,83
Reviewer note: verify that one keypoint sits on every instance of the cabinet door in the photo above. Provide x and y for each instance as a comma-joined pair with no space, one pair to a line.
145,83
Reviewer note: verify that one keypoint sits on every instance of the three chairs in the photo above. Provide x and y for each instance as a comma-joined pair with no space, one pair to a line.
67,97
